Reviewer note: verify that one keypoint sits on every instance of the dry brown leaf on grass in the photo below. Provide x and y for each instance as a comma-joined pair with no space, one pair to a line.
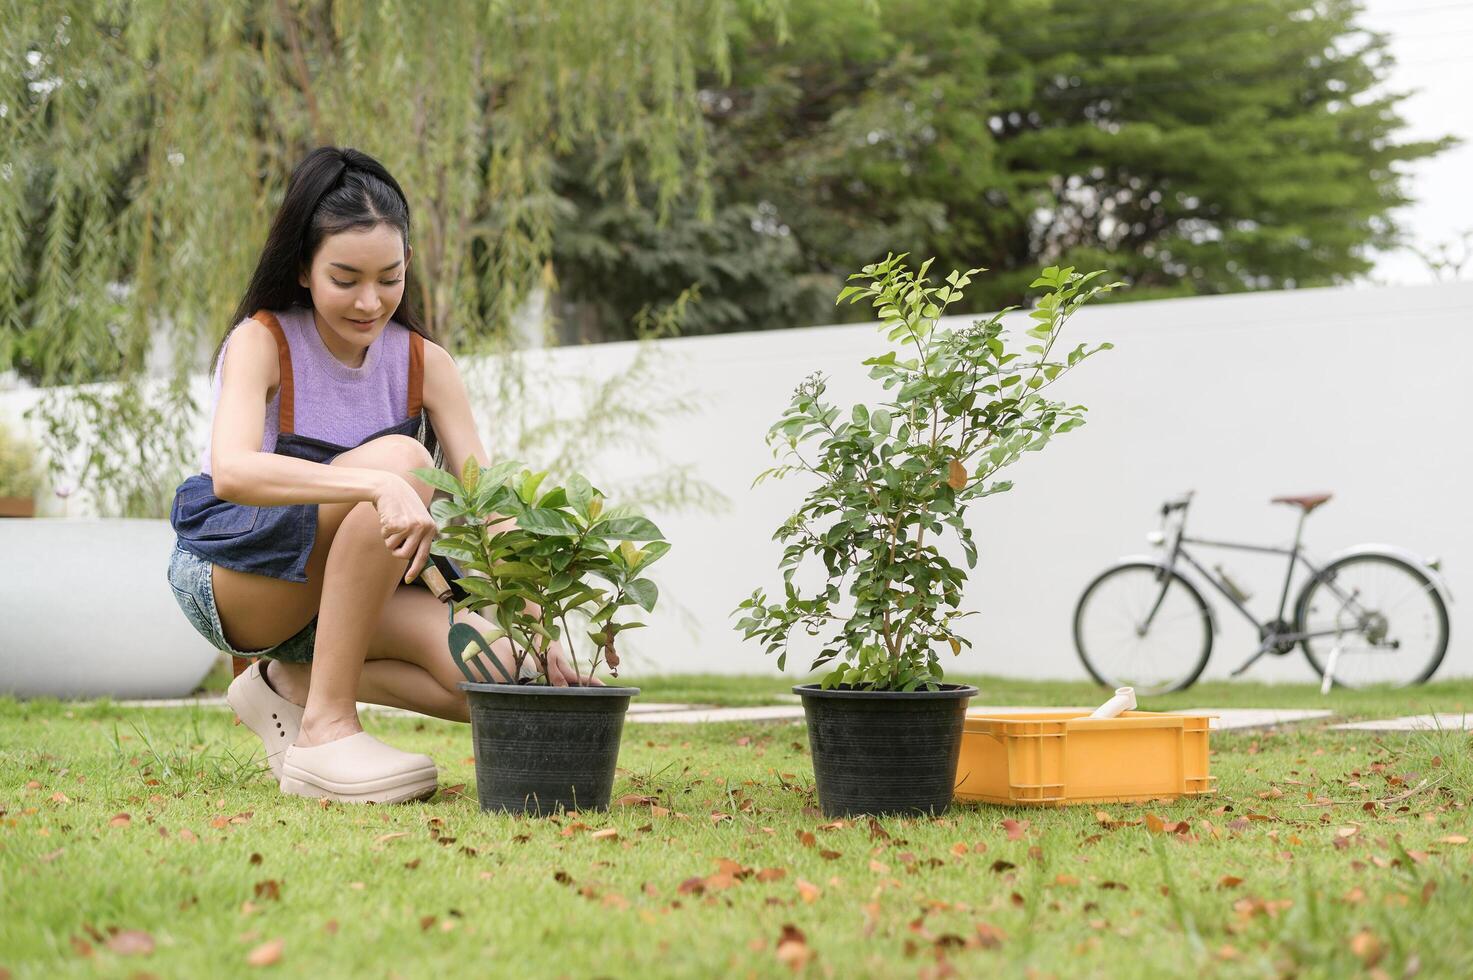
607,833
1229,881
121,820
1015,829
772,874
267,954
989,936
720,881
1367,948
1452,839
806,838
635,799
792,948
808,891
131,942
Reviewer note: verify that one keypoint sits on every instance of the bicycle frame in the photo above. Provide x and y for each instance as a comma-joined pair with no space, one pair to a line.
1268,638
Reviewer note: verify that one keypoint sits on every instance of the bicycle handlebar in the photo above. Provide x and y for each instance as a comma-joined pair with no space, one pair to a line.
1177,503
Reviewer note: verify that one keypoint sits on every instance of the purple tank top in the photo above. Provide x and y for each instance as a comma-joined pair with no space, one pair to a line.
335,403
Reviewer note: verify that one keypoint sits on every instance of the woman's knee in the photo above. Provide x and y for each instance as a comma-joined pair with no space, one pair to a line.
398,454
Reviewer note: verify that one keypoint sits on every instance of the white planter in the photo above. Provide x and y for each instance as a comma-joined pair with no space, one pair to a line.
86,611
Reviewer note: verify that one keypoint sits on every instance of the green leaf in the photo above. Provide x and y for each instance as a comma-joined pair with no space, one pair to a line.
644,592
580,493
444,511
438,479
628,528
632,556
541,521
527,489
470,475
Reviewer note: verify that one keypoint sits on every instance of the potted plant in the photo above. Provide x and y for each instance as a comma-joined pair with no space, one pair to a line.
20,475
544,565
891,480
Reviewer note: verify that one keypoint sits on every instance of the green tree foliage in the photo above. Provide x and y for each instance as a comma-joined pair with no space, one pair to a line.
1193,146
147,144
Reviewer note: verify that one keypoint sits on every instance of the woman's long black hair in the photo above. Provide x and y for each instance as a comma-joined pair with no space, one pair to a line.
332,190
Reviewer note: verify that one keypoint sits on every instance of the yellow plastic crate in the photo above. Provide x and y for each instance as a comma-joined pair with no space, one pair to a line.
1053,758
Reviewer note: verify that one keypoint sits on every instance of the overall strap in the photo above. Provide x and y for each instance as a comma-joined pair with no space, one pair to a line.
416,374
287,419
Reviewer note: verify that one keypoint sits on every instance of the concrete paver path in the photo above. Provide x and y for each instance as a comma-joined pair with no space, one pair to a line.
1413,723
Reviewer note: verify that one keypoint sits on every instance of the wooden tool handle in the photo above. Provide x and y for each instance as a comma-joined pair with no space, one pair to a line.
436,582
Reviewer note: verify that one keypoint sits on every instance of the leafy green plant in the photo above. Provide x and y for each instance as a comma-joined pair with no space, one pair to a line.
961,407
20,474
532,553
128,444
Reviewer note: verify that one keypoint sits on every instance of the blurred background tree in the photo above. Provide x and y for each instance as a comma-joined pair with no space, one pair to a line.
1189,146
618,155
147,144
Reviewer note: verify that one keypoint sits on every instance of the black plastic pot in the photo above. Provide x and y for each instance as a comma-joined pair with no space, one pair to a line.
543,749
884,752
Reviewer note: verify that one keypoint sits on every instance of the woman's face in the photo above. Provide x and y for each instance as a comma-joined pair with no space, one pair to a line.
357,281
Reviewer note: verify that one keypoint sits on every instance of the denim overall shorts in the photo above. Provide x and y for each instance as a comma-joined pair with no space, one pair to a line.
275,541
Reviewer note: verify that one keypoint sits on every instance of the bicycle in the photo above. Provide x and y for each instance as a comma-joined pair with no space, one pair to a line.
1372,614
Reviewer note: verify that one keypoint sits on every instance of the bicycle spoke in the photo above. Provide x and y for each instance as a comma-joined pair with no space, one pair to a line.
1115,641
1390,642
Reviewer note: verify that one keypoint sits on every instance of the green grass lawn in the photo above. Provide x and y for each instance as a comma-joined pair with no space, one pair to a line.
151,841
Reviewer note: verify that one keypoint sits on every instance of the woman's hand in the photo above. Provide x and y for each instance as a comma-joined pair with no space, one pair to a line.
561,673
406,524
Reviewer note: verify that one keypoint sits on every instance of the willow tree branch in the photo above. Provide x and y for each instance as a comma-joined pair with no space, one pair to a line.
304,76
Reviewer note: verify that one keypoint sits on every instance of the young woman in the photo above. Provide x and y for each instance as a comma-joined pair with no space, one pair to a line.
298,538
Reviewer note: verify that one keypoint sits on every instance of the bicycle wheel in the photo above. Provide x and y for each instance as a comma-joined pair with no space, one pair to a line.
1118,647
1384,615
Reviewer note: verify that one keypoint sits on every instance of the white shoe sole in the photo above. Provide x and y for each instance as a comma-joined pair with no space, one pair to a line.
401,788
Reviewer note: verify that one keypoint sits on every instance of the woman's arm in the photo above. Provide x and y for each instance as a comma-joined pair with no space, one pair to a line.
450,410
245,475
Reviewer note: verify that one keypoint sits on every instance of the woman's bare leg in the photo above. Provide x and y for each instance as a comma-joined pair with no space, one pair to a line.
408,663
396,683
350,577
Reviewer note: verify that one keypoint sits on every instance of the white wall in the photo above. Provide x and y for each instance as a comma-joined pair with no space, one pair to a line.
1357,391
1363,392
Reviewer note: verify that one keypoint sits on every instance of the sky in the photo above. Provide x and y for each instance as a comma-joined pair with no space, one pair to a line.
1433,44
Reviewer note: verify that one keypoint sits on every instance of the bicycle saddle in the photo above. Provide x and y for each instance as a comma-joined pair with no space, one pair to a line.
1308,501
